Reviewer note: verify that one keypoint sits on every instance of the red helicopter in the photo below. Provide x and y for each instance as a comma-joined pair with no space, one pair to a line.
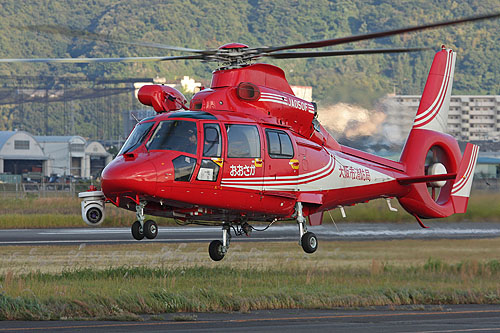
246,149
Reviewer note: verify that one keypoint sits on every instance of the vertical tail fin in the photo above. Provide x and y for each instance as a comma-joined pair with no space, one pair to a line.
432,113
463,182
429,145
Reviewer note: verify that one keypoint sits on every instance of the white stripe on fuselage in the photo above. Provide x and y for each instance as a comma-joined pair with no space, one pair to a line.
341,173
285,100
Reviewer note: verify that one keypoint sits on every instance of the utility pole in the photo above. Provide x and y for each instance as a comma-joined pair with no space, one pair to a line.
46,110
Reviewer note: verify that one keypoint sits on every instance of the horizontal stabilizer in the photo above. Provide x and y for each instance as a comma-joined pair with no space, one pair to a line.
425,179
461,188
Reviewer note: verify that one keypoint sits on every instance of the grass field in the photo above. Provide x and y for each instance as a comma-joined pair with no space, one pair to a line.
65,212
122,282
125,281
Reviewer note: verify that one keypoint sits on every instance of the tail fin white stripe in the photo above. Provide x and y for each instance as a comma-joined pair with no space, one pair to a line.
457,187
440,90
437,93
429,114
467,171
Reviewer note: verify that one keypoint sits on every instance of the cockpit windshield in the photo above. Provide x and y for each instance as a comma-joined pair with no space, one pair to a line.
178,135
136,137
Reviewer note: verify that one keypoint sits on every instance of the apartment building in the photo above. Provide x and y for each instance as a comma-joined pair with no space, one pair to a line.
470,118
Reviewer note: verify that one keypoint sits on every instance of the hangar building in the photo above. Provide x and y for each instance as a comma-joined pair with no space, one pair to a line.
21,153
72,155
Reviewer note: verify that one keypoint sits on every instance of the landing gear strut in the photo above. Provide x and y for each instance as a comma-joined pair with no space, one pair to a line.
141,229
307,240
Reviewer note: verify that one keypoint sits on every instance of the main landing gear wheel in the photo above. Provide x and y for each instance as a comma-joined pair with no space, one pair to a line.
309,242
150,229
216,250
137,230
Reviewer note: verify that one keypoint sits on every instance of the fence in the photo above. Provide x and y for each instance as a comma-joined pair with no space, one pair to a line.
23,190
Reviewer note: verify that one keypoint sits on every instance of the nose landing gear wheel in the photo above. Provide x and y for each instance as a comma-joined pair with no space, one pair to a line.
309,242
137,230
150,229
215,250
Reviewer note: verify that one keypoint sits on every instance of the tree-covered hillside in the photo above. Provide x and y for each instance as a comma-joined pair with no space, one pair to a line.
209,24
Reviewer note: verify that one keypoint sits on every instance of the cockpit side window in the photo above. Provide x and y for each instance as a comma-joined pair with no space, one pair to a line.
137,137
178,135
212,146
243,141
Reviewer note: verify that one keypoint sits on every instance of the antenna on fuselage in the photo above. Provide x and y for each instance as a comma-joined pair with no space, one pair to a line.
136,119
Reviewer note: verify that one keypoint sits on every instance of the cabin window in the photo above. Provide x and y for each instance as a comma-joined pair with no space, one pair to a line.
212,146
243,141
137,137
209,171
279,144
183,168
178,135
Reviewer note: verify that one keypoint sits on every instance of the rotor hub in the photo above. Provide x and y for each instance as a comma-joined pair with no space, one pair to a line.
233,55
233,46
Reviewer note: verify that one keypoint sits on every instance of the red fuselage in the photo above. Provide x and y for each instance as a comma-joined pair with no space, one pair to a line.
246,169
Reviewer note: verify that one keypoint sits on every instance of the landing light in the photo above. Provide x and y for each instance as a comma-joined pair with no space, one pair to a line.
248,91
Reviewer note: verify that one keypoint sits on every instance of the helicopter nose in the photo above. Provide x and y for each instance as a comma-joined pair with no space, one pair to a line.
122,176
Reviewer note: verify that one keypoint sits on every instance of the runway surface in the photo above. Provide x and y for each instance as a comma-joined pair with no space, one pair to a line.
279,232
455,318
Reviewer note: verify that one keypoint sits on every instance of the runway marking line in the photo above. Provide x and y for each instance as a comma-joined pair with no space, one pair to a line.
131,241
463,330
271,319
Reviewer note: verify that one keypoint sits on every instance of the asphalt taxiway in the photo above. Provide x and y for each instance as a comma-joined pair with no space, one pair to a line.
454,318
277,232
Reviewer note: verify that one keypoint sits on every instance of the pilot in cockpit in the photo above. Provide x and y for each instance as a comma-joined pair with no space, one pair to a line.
191,142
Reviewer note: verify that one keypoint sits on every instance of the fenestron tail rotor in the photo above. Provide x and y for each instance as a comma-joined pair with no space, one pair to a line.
435,164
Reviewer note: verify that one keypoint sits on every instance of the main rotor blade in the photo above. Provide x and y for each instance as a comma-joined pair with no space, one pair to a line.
314,54
68,32
28,95
93,60
349,39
